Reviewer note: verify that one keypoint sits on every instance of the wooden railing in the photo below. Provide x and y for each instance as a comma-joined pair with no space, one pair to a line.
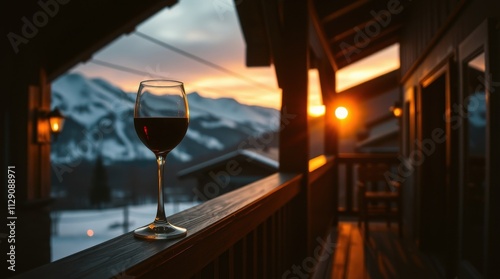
347,164
253,232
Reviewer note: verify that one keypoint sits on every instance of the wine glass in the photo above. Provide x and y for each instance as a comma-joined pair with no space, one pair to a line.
161,118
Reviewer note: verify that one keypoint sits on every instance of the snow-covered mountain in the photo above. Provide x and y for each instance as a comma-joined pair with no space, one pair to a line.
99,121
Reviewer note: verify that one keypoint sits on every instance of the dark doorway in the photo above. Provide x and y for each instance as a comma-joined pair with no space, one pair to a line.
433,172
475,183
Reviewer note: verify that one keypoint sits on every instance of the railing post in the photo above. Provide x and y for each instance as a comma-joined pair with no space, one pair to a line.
351,161
328,91
349,188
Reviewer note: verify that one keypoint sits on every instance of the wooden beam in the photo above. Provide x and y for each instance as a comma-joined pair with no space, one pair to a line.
347,8
371,88
254,31
318,39
328,93
349,34
362,13
76,29
287,28
345,57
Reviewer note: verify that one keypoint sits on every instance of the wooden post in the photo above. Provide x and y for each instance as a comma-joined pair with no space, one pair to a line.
287,25
27,91
39,154
328,92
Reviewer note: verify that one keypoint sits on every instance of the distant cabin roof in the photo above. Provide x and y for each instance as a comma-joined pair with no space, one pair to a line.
251,156
382,141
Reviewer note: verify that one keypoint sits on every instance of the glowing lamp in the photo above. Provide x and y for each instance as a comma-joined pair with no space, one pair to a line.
48,123
396,110
341,113
56,121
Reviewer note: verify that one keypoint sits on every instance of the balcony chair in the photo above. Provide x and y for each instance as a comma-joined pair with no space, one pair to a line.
378,198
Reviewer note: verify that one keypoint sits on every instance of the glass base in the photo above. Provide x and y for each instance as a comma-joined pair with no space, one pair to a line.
160,231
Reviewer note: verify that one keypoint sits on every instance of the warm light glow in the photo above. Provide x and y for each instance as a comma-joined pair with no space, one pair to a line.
56,124
90,233
55,127
317,110
341,113
56,121
397,112
368,68
216,86
396,109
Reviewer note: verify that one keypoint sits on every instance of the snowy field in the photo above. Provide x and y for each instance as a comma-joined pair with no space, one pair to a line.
74,231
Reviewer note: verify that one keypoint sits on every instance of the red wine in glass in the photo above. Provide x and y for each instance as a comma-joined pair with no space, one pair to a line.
161,134
161,118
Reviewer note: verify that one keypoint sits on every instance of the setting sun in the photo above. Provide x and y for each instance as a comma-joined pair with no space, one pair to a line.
317,110
341,112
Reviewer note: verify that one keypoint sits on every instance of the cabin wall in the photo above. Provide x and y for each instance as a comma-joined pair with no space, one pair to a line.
423,22
429,51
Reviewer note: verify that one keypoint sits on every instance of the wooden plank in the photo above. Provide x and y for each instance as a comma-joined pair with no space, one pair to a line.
356,268
213,227
341,256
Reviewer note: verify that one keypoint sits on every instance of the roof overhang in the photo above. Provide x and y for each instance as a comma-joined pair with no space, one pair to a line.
59,34
342,32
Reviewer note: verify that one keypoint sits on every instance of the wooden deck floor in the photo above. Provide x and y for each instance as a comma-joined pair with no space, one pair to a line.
382,255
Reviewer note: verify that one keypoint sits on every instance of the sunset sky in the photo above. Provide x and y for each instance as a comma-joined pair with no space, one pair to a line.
209,30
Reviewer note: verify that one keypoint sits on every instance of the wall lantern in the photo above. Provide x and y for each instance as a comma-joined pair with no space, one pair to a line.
396,110
49,123
56,121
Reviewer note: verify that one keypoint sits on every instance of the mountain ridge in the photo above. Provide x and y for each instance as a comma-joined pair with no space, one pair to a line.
99,122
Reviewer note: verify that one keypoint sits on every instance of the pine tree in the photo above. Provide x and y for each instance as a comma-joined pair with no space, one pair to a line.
99,191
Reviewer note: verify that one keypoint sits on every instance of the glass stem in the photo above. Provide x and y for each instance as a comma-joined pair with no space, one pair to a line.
160,212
